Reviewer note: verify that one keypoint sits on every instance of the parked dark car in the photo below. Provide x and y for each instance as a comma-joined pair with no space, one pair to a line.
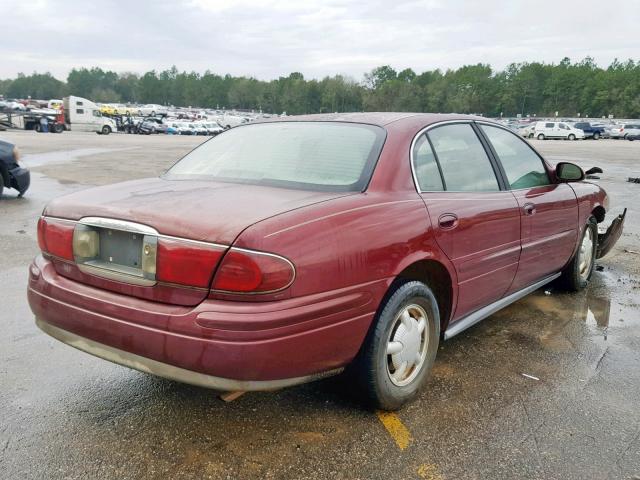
157,125
283,251
12,175
590,131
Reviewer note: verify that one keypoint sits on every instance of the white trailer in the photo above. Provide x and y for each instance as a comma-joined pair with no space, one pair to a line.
83,115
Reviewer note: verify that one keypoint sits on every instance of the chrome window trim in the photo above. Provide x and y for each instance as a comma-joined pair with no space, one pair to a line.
524,140
440,124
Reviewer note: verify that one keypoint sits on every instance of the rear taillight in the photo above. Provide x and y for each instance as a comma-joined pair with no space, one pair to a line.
186,263
246,271
55,237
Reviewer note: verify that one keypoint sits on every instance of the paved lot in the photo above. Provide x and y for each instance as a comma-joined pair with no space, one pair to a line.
65,414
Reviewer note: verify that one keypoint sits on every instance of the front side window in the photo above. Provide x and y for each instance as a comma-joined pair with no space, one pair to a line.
426,167
326,156
523,167
462,158
549,125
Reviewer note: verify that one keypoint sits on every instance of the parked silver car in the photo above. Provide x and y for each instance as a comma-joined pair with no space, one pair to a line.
624,130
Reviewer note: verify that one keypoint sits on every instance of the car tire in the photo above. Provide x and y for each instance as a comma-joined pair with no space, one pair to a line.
106,130
1,184
541,136
596,136
630,138
408,313
37,127
58,128
577,273
571,136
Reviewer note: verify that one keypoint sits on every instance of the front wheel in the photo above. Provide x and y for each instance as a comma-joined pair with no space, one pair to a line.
596,136
106,130
576,275
401,346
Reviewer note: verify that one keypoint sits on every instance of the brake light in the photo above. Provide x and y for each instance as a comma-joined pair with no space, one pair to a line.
186,263
246,271
55,237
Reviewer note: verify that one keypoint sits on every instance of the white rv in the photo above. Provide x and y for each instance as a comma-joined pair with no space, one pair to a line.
83,115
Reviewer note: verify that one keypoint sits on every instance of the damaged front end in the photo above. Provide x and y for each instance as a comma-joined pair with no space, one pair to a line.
608,239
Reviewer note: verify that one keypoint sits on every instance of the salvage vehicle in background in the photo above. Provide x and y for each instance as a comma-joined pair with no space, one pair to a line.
329,241
12,175
153,110
558,130
590,130
622,131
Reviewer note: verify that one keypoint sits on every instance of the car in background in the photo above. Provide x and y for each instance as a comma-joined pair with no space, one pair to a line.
107,109
153,110
213,128
158,125
12,175
590,130
179,128
544,130
285,251
622,131
198,129
526,131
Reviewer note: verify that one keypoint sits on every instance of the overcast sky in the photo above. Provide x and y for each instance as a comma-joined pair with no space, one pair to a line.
270,38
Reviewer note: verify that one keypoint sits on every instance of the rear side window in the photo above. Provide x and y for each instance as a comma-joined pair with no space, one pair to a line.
426,167
463,160
523,167
549,125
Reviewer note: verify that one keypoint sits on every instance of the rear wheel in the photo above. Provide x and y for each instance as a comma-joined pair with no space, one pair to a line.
571,136
541,136
106,130
401,347
596,136
576,275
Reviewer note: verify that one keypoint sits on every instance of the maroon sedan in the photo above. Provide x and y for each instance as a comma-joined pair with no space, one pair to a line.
284,251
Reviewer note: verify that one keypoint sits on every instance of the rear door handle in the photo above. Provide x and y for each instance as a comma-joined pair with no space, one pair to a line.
448,221
529,208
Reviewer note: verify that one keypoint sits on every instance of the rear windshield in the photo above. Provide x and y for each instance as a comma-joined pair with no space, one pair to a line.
329,156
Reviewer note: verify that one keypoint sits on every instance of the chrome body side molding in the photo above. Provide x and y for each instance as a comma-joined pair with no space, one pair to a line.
492,308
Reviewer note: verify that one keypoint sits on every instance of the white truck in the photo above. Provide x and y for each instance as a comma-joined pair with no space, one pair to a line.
83,115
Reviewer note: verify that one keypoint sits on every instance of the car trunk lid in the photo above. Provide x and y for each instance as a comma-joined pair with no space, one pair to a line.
160,217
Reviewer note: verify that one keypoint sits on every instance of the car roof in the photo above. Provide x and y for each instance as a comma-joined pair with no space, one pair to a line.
376,118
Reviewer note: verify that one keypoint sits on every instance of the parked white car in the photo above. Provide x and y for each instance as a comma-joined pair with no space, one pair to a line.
544,130
622,131
153,110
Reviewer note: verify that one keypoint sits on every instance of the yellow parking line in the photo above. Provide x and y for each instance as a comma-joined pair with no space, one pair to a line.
396,428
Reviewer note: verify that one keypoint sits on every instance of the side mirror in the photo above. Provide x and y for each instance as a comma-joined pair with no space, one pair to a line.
569,172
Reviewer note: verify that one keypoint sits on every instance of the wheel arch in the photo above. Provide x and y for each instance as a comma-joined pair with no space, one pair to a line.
599,213
438,278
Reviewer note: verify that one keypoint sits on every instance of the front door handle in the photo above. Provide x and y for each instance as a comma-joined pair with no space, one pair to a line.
529,208
448,221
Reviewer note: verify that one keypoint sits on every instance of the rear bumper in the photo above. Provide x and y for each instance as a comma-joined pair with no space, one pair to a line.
171,372
217,344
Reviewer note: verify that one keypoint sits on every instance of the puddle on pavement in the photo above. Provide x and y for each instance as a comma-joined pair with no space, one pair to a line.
65,156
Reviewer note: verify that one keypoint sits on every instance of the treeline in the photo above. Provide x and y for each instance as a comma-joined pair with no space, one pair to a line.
522,88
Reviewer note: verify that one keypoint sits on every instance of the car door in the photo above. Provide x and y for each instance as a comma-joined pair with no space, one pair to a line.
549,211
475,220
